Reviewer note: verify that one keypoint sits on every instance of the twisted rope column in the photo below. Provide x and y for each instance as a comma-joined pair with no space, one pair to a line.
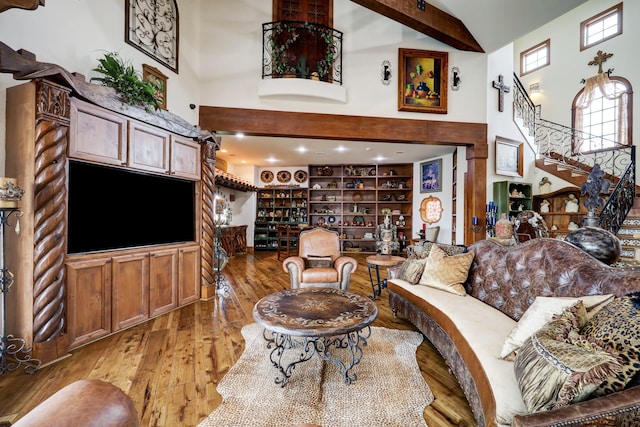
51,136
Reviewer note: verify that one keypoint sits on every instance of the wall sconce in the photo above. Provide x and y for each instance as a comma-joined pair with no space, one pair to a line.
455,78
534,88
385,73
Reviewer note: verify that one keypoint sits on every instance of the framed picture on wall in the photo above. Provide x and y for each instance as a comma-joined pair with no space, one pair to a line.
422,86
154,77
431,176
509,157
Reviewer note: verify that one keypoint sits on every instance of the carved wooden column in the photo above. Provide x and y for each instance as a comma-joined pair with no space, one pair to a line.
207,241
37,135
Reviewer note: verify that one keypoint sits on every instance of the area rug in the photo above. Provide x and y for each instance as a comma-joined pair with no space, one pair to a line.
389,390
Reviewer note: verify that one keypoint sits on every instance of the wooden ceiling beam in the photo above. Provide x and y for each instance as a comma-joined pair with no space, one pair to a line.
433,22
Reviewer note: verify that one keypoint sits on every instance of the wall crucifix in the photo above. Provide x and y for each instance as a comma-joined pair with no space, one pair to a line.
502,89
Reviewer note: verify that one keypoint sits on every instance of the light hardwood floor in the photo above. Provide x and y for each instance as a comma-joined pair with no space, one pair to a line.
170,365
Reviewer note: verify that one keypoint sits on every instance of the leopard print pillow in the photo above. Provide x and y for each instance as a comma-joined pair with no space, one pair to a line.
617,325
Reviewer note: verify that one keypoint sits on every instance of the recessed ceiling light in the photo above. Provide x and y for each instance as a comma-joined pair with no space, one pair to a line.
379,159
240,135
244,161
301,149
368,148
272,160
223,150
341,148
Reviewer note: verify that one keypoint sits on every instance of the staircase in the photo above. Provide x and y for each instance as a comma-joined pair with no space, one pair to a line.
554,142
629,234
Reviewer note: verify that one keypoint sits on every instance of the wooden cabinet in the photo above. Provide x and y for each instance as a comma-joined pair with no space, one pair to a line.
354,199
130,290
163,281
185,158
88,300
96,134
278,206
188,274
107,293
512,197
557,217
148,148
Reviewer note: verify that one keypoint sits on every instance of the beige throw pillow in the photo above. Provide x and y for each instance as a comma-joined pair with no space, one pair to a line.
447,273
540,313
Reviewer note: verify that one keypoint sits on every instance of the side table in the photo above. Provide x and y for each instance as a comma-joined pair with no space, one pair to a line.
373,263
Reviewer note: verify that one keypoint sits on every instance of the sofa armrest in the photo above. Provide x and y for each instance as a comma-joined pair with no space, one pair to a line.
619,408
87,403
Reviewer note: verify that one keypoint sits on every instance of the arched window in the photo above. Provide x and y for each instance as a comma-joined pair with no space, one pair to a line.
602,112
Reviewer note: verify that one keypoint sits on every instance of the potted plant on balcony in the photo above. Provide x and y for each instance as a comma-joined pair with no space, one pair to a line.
282,37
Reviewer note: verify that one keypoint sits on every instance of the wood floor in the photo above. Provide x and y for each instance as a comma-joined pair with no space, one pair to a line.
170,365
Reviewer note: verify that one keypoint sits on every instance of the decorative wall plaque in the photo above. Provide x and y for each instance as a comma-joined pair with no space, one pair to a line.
152,27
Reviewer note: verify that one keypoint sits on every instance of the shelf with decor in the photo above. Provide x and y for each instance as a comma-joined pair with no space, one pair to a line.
512,197
278,206
354,199
560,209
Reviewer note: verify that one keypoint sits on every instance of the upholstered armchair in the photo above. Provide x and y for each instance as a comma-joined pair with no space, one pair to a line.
319,262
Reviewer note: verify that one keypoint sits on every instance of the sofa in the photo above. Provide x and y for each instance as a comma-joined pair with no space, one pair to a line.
470,330
87,403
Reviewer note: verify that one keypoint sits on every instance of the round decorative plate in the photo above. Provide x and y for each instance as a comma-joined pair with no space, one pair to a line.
357,196
300,175
332,219
284,176
266,176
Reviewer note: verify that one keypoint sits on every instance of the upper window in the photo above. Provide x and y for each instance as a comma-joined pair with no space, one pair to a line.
535,58
601,114
601,27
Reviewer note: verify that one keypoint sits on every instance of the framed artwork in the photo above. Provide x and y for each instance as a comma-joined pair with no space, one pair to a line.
152,28
508,157
431,176
430,210
154,77
422,86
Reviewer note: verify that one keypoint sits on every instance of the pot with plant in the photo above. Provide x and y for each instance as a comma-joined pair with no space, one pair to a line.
121,76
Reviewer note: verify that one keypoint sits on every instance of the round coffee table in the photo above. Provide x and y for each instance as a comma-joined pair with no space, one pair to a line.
374,262
314,321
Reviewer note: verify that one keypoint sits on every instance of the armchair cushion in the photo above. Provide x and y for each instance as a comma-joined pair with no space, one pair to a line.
313,261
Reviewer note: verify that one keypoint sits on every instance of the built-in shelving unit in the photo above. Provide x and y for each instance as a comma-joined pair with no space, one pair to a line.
557,217
354,199
512,197
278,206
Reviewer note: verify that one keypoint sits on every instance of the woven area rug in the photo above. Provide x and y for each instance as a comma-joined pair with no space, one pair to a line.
389,390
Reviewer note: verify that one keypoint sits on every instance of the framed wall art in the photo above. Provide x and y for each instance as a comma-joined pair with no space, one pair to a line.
509,157
152,28
431,176
422,86
154,77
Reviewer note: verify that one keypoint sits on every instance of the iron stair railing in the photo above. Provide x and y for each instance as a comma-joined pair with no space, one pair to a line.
555,143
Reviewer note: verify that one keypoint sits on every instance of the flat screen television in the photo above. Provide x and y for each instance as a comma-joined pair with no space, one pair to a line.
111,208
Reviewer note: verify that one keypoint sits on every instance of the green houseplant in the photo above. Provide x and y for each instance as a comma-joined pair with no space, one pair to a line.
121,76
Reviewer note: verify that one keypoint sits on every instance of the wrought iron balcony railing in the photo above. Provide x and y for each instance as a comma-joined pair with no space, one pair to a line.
557,143
301,50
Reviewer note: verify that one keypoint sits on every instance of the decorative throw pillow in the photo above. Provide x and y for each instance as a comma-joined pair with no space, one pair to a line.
313,261
411,270
557,366
540,313
447,273
618,325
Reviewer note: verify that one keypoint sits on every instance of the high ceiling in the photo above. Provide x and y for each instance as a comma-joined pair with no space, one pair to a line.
492,23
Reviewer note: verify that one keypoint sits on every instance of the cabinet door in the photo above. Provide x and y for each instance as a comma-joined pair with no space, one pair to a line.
163,281
97,135
189,275
88,300
185,158
148,148
130,290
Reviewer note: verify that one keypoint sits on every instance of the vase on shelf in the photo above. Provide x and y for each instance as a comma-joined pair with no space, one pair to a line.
504,228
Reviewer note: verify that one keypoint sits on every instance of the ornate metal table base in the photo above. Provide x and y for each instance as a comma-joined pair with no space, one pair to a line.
351,342
13,351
